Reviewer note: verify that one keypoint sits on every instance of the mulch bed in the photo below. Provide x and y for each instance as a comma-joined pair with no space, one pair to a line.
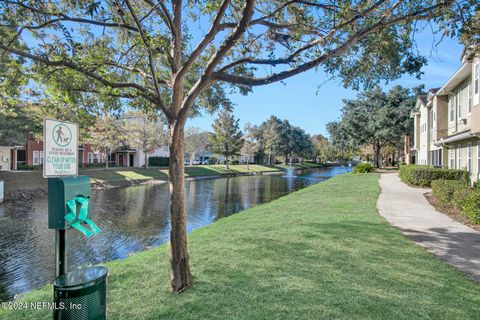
452,212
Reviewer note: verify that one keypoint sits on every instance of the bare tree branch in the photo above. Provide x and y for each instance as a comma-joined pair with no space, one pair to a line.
149,51
228,43
177,34
214,29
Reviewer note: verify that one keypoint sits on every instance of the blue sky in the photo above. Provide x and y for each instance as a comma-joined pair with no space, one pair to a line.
309,101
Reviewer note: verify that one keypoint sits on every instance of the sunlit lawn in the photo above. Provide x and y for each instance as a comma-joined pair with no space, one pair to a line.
34,179
320,253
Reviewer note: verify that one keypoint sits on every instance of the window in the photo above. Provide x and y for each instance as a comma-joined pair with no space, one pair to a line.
37,158
95,158
450,107
478,158
476,75
470,97
452,158
436,158
469,157
459,156
459,105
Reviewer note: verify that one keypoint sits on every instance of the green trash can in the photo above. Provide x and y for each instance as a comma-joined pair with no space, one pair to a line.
81,294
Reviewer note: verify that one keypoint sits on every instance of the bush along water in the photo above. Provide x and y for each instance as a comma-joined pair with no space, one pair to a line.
424,175
363,167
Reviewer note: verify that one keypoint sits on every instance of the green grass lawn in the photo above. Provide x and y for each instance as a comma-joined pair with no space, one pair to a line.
320,253
34,179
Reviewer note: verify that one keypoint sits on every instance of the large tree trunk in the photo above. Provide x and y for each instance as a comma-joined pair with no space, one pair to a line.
181,277
146,160
106,162
192,159
226,157
377,154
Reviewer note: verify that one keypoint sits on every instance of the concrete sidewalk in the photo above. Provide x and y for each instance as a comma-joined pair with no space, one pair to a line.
407,209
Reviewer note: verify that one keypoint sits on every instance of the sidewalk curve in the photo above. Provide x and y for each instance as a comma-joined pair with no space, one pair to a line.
407,209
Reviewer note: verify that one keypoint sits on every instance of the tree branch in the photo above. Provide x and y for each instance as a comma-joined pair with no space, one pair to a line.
232,39
177,34
149,51
214,29
291,57
64,17
62,63
251,81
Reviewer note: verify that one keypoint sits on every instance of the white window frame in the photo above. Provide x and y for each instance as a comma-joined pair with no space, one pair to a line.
451,114
469,157
451,154
459,156
459,104
470,97
37,158
476,76
478,158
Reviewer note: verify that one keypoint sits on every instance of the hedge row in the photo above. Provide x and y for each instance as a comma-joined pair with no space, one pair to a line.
158,161
454,193
424,175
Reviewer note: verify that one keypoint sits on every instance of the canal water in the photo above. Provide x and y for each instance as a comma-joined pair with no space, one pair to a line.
131,219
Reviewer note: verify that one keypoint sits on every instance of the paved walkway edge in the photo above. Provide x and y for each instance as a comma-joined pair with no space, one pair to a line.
407,209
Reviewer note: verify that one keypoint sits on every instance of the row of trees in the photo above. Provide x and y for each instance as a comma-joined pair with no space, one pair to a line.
375,118
108,131
271,139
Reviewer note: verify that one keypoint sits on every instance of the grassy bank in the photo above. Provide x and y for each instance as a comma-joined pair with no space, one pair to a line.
119,176
320,253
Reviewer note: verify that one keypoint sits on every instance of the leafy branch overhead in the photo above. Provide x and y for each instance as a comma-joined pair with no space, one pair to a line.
153,50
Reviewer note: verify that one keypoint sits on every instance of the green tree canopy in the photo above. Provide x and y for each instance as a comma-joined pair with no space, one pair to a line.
196,141
108,134
227,139
377,118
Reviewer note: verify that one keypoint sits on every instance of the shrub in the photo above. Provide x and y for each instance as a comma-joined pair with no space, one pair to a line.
424,175
455,193
460,194
363,167
234,162
158,161
443,190
470,206
22,166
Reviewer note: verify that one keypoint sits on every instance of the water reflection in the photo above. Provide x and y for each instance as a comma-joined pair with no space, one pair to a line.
132,219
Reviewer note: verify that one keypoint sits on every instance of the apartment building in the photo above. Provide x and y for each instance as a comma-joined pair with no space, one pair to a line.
447,120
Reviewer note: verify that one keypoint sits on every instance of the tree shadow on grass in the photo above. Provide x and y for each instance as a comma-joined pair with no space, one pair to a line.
349,270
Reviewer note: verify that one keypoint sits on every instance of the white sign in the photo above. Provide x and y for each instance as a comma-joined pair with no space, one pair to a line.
60,148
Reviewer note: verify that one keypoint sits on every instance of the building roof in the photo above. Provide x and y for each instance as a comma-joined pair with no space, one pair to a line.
454,138
456,79
423,99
